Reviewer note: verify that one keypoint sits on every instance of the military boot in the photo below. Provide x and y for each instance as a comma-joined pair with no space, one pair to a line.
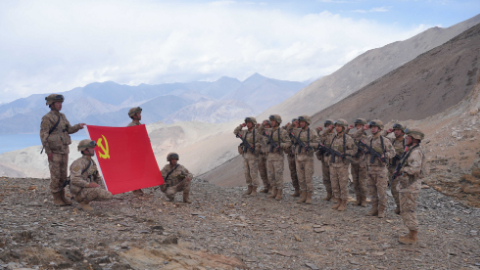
296,193
364,201
274,193
343,205
359,199
309,198
249,190
397,210
381,211
85,205
57,199
337,203
410,238
265,189
279,194
254,191
186,194
329,196
303,197
374,210
64,199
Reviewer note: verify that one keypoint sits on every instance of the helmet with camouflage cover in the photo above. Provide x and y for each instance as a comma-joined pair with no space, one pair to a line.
266,121
54,98
341,122
328,122
376,123
84,144
275,117
294,119
133,111
251,119
172,155
398,126
361,121
415,133
305,118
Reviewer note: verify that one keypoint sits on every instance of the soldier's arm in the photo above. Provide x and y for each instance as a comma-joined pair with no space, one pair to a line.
76,178
164,172
314,140
286,142
45,127
237,129
383,133
186,173
413,164
352,148
71,129
96,177
357,134
389,150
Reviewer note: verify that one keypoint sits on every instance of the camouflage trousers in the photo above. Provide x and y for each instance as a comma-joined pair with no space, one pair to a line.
293,170
58,171
305,168
250,168
393,188
93,194
262,168
408,200
377,185
339,180
174,187
359,175
326,176
275,170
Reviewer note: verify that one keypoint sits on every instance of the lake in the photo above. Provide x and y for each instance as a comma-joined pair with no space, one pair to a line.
19,141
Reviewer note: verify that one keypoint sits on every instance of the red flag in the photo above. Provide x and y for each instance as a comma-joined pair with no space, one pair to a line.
125,158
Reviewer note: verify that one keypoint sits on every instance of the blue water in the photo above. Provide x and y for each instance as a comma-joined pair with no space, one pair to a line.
19,141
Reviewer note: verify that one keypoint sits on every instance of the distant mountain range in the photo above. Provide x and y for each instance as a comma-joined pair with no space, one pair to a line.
107,103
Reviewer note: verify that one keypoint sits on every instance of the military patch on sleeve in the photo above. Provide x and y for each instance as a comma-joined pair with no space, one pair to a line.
44,124
76,168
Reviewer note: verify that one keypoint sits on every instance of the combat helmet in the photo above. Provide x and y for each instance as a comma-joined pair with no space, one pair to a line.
54,98
376,123
415,133
305,118
251,119
398,126
361,121
267,121
172,155
341,122
328,122
294,119
133,111
275,117
84,144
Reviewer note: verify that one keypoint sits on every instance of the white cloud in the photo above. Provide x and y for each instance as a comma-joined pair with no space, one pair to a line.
377,9
65,44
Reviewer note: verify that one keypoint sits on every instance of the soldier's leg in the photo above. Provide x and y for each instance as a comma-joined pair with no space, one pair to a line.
372,191
279,166
96,194
57,178
355,171
262,167
309,170
362,182
253,164
271,177
335,186
408,209
186,192
394,190
343,183
64,174
246,171
301,180
326,180
382,185
293,171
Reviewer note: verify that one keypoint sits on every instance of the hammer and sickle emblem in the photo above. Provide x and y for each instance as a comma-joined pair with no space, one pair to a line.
105,154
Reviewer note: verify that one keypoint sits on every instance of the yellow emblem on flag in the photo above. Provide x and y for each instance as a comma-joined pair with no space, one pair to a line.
105,154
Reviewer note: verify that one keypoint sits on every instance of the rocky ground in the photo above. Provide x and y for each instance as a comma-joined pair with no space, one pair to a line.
223,230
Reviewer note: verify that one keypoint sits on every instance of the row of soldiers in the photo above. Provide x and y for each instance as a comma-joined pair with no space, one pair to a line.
85,180
373,160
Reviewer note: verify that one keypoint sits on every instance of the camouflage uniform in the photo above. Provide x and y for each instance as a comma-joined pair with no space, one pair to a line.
175,181
326,138
399,145
358,168
342,143
57,143
250,158
377,172
291,163
262,168
79,181
135,122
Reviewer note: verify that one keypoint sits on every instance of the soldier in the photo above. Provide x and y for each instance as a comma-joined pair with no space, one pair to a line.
177,178
409,179
262,163
136,115
291,158
358,167
325,139
377,170
399,144
278,140
55,138
249,149
345,145
306,140
84,177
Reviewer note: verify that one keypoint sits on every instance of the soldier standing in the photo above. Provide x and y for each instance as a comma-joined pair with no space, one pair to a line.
177,178
358,166
249,150
376,168
325,139
278,140
85,180
410,183
291,158
399,144
343,144
55,138
304,157
136,115
262,162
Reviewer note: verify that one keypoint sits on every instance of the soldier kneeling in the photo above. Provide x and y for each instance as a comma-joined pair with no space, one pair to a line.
177,178
84,177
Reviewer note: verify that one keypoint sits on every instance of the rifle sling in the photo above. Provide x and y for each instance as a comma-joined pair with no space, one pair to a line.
169,173
50,132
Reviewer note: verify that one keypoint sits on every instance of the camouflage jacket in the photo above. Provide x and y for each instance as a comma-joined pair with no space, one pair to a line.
59,140
358,135
134,123
326,137
79,180
280,138
309,137
413,169
175,177
399,145
376,143
249,135
337,144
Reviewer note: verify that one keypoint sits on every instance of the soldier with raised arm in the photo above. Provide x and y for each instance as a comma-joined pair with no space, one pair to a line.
358,167
262,161
291,158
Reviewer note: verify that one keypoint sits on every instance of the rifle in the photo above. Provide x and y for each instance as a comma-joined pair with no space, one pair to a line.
401,164
272,143
67,182
245,143
302,144
372,152
323,149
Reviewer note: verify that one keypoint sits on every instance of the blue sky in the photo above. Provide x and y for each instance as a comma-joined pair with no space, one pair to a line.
54,46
